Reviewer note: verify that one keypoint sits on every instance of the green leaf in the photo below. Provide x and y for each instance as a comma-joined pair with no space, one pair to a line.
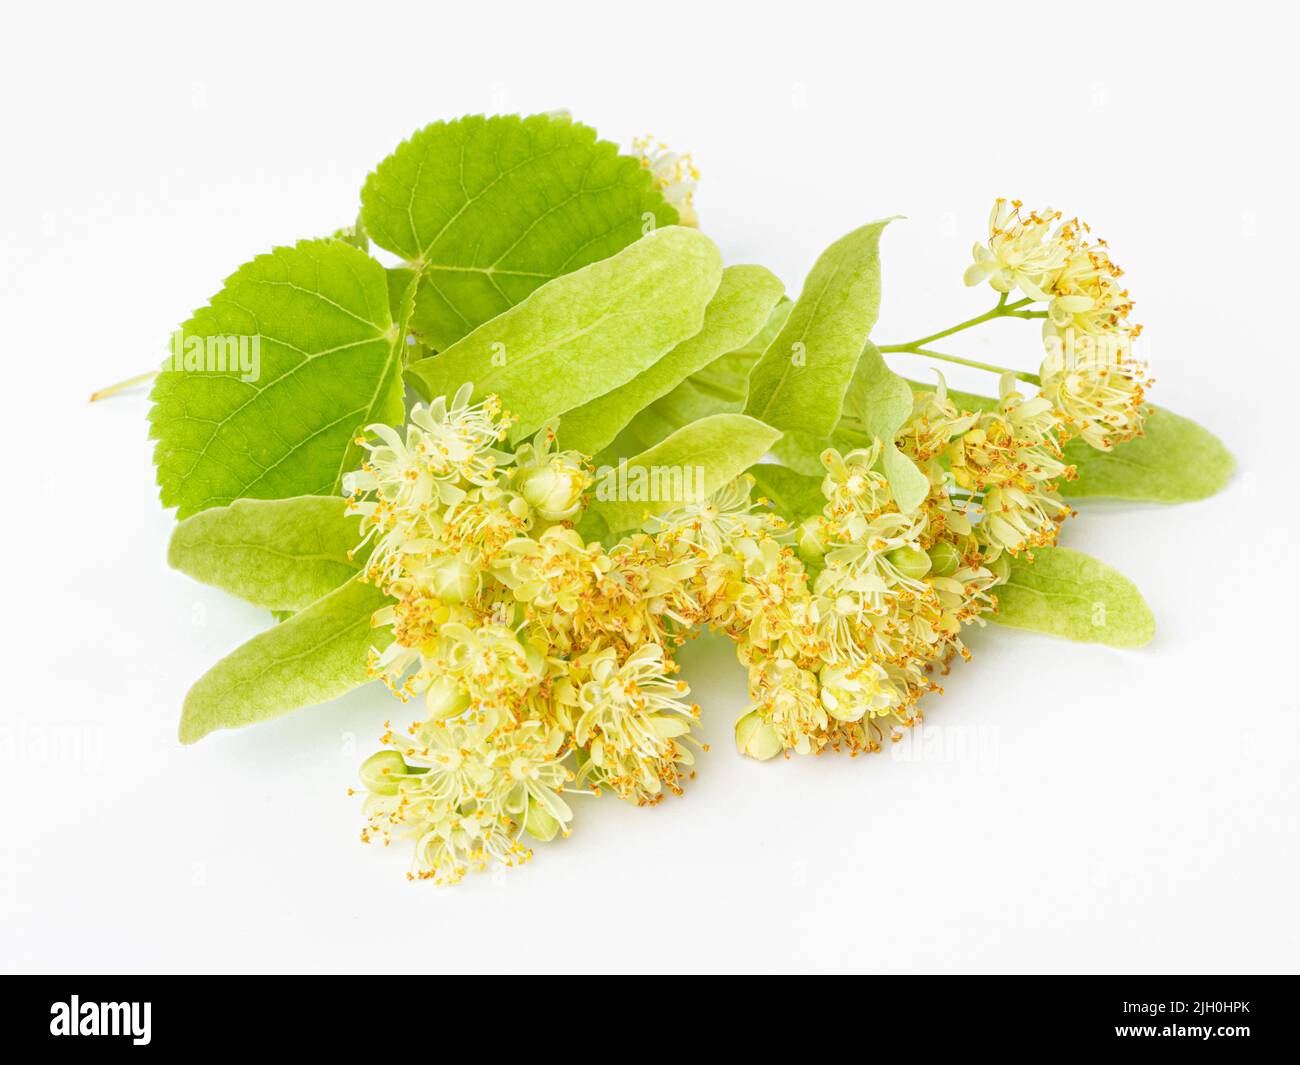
882,401
799,384
702,457
281,554
719,388
316,655
488,209
586,333
742,303
1067,593
329,362
794,495
1174,461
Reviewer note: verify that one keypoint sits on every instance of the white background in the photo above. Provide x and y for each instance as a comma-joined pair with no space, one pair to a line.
1072,808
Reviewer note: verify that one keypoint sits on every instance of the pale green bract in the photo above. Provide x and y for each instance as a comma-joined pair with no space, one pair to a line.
281,554
316,655
584,334
799,384
1067,593
329,359
719,388
882,401
742,303
716,450
1173,461
488,209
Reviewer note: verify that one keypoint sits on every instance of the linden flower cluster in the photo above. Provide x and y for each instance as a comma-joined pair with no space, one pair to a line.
841,636
1089,374
543,664
1000,467
537,660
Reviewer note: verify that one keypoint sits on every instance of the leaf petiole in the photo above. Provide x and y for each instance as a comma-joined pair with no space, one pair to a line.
122,386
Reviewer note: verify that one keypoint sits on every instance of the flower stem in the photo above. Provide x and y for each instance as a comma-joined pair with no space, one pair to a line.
999,370
1002,310
122,386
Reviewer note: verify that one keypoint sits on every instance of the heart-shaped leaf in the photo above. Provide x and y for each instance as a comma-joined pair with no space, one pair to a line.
310,353
488,209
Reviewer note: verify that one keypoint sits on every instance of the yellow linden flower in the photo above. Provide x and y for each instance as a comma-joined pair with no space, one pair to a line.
464,793
1022,252
1103,404
852,485
1086,296
850,691
1013,457
935,421
491,663
711,525
551,482
553,573
445,446
408,479
629,718
485,521
674,175
787,698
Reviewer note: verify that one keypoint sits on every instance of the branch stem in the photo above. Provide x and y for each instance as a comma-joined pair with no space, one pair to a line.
1004,309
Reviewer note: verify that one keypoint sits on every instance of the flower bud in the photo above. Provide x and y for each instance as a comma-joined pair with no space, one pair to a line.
911,562
756,738
555,490
382,772
811,545
453,580
945,559
445,699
